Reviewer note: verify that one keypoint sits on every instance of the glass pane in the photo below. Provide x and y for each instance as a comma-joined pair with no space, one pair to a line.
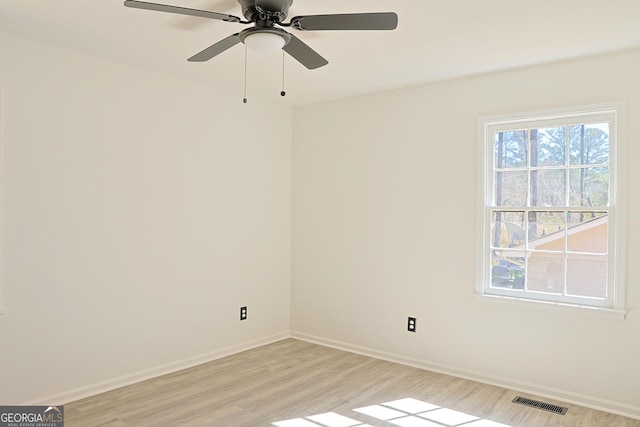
546,231
507,229
510,188
510,149
548,187
589,144
545,272
507,269
588,232
499,234
550,149
589,187
587,276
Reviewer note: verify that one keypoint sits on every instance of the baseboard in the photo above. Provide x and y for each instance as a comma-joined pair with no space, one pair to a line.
523,387
135,377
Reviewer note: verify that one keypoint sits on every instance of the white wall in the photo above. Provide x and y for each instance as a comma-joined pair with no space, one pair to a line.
140,211
384,227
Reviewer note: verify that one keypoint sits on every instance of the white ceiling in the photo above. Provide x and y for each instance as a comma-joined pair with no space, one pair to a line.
435,40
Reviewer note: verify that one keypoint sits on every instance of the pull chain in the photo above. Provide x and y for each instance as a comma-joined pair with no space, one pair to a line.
282,92
245,75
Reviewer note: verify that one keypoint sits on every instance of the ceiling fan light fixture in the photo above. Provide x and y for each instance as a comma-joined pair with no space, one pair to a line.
267,16
264,42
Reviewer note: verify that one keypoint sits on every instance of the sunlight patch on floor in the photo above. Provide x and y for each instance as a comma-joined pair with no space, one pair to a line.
411,406
328,419
407,412
413,421
449,417
331,419
380,412
297,422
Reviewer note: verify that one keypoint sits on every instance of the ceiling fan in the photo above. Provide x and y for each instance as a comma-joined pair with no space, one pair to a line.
268,16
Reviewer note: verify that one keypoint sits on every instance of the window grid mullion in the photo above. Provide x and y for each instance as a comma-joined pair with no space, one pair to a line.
565,255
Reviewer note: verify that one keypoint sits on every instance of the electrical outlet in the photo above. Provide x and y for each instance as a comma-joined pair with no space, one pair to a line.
411,324
243,313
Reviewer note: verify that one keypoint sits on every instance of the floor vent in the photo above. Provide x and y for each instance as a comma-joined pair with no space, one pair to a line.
540,405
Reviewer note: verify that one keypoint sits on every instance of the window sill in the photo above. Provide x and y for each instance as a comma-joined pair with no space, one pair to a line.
552,306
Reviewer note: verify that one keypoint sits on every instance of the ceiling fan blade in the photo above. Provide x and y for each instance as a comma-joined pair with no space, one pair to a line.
216,49
349,21
302,53
180,10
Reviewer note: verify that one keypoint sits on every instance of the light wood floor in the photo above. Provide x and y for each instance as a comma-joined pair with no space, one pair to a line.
294,379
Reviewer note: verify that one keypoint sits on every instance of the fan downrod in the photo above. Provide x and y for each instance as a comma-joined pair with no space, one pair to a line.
265,10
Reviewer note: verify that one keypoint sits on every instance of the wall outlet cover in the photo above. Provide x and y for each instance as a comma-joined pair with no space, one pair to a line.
411,324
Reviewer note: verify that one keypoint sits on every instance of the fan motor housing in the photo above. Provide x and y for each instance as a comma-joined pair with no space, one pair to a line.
260,10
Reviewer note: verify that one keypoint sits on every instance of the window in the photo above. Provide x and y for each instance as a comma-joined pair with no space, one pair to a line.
551,210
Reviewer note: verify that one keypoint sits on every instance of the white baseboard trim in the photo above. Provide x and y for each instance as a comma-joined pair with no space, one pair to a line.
135,377
530,388
523,387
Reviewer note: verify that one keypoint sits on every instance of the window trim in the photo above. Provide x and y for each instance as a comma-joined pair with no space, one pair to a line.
617,238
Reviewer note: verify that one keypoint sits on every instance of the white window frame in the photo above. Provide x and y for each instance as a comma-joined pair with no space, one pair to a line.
613,113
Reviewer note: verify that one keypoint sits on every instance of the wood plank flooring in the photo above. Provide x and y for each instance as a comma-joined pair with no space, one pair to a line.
293,379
